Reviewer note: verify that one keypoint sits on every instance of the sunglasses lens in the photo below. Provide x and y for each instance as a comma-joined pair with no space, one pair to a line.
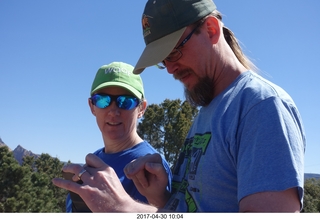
123,101
101,101
127,102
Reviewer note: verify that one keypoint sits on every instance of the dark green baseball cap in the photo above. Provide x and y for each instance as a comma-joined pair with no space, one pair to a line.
118,74
163,23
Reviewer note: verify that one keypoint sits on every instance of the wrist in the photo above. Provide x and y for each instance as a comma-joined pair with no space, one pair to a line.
160,201
138,207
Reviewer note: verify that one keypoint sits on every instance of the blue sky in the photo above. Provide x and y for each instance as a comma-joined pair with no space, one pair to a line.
51,50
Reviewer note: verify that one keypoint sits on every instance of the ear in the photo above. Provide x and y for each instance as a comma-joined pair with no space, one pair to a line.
91,107
142,108
213,28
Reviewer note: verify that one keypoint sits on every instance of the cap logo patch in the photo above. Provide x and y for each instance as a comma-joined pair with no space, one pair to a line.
116,70
146,25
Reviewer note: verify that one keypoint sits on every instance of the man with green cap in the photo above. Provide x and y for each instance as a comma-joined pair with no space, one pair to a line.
244,151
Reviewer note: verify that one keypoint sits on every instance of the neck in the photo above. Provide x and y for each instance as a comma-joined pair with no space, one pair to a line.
115,146
227,70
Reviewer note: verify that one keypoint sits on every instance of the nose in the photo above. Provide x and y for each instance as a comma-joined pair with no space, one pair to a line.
113,109
172,67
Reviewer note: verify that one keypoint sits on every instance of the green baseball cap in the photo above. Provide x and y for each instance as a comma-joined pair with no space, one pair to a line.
163,23
118,74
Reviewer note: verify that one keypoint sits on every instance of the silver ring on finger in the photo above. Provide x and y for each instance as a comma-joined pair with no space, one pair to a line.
81,173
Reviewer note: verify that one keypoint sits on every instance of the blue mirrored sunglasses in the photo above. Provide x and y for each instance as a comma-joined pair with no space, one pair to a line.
126,102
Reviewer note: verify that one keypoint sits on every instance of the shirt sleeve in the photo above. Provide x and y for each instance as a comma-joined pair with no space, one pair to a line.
271,147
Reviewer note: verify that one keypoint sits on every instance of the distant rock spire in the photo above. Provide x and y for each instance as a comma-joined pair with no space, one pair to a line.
19,153
2,144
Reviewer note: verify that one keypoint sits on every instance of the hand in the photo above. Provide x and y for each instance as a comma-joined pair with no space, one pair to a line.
150,178
101,190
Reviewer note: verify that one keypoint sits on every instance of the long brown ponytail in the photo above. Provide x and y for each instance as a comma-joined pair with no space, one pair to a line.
233,43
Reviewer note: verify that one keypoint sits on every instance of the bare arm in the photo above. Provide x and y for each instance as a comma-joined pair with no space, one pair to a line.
283,201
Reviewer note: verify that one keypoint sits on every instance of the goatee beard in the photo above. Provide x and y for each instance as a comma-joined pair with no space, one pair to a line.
201,94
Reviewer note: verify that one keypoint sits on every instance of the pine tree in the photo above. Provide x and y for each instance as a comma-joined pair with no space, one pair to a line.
28,188
14,180
311,196
165,126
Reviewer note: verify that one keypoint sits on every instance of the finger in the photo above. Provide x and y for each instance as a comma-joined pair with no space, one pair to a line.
137,183
152,170
66,184
141,179
137,165
94,161
77,170
72,168
156,169
83,174
132,168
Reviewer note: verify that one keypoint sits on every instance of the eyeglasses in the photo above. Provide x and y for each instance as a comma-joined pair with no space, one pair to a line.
176,53
126,102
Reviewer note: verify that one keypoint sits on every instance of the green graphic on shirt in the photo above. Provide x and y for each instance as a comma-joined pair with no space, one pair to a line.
190,202
191,154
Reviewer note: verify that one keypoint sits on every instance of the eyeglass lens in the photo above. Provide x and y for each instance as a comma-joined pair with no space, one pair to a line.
176,54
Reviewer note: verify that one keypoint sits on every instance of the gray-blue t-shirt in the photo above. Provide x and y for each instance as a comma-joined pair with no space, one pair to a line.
249,139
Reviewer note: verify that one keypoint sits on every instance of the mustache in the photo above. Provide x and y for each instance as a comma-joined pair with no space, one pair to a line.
182,73
201,94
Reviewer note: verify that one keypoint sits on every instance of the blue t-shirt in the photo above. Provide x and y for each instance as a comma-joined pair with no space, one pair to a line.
119,160
249,139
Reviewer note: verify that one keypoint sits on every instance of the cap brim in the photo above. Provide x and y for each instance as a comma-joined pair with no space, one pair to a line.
158,50
123,85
